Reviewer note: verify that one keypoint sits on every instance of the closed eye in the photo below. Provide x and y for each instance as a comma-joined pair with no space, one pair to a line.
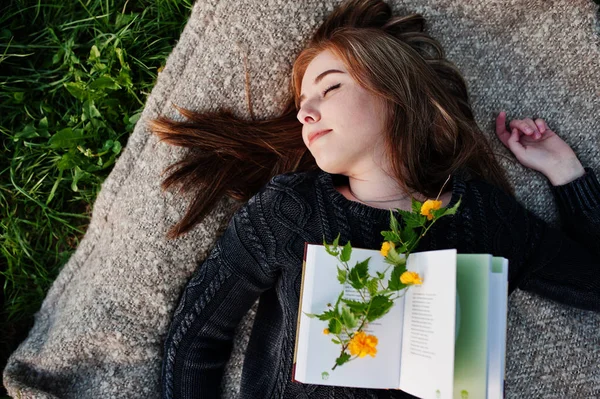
331,88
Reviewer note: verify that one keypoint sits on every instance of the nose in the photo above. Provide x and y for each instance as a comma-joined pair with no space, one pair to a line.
308,114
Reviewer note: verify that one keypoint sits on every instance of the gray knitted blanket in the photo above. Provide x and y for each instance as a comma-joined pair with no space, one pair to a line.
100,330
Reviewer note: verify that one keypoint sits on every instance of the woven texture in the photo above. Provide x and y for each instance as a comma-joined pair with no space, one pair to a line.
100,330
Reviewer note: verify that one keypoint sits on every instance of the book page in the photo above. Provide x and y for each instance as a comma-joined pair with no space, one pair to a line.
497,333
317,353
429,326
302,330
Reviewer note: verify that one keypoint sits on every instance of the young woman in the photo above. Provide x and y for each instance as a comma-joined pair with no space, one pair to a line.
374,119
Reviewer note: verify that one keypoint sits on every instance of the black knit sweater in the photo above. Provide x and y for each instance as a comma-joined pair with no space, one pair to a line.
260,254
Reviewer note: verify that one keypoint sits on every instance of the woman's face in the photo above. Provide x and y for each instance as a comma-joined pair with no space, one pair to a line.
335,101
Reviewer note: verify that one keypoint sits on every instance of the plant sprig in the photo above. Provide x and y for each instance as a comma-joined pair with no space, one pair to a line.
347,317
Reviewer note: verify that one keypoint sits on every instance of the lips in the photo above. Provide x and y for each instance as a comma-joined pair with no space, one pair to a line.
313,136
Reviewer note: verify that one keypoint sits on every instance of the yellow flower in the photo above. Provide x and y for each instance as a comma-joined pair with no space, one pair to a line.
362,345
326,331
385,247
410,278
428,206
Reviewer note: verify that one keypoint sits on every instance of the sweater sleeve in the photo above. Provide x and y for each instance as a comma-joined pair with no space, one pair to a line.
564,265
219,294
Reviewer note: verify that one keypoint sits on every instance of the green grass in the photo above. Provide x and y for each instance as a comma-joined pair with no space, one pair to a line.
74,76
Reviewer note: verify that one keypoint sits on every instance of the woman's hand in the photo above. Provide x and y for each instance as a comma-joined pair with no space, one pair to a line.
539,148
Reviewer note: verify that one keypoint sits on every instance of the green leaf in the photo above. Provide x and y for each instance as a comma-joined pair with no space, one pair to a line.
412,219
380,305
43,124
124,78
106,146
395,258
67,161
372,286
408,234
380,275
356,306
452,211
344,357
29,131
332,249
402,250
336,341
359,274
90,111
393,222
73,58
339,298
77,90
124,19
94,54
66,138
311,315
394,283
390,236
342,274
416,205
121,54
104,82
58,56
437,213
116,147
335,326
348,318
346,252
19,96
79,175
99,68
328,315
132,120
325,243
336,241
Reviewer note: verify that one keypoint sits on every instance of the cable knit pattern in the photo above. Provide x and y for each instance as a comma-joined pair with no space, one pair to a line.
542,260
188,311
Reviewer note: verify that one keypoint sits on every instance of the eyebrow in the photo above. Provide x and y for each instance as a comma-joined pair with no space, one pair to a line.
318,79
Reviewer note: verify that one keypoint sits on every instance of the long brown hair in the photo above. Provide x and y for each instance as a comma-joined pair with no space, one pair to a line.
431,131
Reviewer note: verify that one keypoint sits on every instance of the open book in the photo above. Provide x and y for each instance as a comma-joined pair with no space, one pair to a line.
445,338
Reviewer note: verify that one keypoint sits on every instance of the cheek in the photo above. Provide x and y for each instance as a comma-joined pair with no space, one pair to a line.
364,121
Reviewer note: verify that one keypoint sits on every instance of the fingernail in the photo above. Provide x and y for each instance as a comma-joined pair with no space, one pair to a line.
528,130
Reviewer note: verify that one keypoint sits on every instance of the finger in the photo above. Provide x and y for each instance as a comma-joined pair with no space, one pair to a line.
501,131
531,125
546,127
503,137
501,122
513,143
541,125
522,126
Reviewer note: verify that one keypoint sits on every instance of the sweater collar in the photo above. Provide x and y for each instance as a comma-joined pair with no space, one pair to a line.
365,211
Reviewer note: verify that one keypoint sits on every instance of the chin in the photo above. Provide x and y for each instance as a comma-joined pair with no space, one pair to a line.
333,162
332,169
